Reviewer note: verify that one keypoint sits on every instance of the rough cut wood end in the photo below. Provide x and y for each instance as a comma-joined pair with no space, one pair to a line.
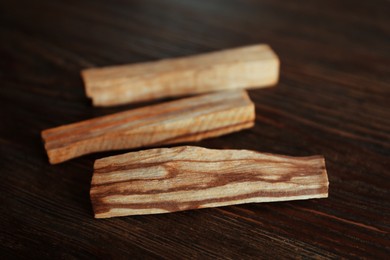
185,120
245,67
183,178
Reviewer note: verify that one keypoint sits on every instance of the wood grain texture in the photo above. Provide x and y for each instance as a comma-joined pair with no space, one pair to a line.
244,67
185,120
182,178
331,99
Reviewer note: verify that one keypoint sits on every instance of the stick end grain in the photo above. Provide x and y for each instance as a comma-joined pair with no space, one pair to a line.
274,72
44,135
87,84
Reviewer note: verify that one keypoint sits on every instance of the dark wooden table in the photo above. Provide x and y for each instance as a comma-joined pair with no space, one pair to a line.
333,98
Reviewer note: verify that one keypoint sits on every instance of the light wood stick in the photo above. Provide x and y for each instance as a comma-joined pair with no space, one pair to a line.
182,178
245,67
184,120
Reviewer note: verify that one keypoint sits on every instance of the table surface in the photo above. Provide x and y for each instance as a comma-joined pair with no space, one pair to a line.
332,99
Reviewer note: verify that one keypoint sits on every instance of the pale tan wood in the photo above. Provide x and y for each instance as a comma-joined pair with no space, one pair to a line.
185,120
187,177
246,67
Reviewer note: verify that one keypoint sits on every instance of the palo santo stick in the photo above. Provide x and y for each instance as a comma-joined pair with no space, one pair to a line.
182,178
245,67
185,120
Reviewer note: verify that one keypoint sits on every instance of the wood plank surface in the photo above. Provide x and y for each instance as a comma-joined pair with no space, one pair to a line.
184,120
187,177
244,67
331,99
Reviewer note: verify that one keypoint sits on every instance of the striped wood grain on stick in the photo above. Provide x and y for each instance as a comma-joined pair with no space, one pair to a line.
182,178
244,67
185,120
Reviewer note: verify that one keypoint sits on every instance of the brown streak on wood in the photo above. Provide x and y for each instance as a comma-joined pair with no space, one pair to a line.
244,67
172,206
181,178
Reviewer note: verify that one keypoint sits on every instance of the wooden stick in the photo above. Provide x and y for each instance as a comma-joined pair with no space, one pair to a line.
182,178
185,120
245,67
